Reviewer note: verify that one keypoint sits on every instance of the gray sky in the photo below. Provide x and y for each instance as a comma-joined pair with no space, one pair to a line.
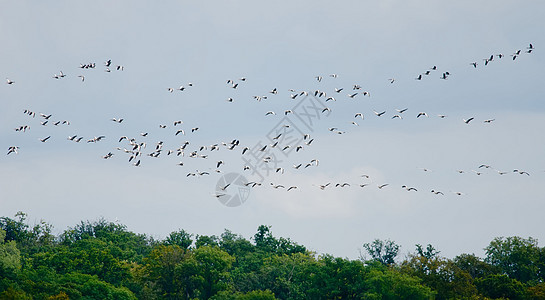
282,45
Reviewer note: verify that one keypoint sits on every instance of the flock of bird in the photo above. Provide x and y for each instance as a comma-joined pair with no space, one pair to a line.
139,148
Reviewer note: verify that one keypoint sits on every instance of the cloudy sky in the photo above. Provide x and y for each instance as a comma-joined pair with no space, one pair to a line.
282,45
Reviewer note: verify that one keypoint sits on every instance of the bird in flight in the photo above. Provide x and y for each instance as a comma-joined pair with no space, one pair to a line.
13,149
45,139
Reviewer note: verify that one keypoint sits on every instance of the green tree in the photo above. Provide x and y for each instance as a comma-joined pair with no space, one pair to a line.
383,282
160,273
440,274
500,286
180,238
474,266
382,251
235,244
205,240
10,256
213,265
516,257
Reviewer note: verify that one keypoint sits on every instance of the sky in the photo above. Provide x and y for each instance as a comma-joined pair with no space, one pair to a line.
208,47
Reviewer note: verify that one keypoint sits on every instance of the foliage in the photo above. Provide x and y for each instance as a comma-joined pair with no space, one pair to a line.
519,258
382,251
104,260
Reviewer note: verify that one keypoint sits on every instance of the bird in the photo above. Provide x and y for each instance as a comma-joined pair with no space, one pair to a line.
352,95
474,64
9,81
420,114
489,120
409,188
383,185
323,186
437,192
468,120
419,77
117,120
291,188
45,139
358,115
401,110
13,149
391,80
270,113
378,114
521,172
397,116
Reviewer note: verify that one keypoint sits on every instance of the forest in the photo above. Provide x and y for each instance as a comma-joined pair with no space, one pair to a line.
104,260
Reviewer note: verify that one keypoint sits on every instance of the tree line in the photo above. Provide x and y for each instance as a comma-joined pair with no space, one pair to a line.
103,260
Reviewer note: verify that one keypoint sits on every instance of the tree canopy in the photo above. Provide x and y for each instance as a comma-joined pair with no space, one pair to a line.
104,260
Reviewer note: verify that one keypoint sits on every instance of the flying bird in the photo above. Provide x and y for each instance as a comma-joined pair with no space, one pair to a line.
45,139
468,120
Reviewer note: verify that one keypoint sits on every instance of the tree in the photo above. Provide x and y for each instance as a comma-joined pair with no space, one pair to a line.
429,253
382,251
205,240
264,239
501,286
180,238
440,274
10,256
383,282
474,265
516,257
160,270
213,265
